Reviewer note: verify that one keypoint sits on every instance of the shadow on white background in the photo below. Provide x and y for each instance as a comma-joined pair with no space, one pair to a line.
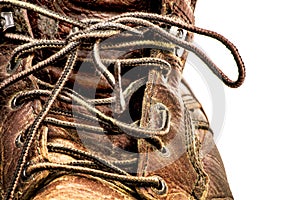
260,139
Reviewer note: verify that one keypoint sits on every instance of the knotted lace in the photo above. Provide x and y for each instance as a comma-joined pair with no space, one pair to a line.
93,32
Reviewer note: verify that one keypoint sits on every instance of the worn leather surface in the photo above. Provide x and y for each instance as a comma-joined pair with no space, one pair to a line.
192,167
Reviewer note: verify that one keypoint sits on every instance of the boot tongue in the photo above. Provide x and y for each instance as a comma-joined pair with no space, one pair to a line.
46,28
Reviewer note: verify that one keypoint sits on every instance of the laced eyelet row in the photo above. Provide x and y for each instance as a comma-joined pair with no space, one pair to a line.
98,30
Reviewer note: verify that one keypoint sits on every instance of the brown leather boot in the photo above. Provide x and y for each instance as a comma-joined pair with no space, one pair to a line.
94,106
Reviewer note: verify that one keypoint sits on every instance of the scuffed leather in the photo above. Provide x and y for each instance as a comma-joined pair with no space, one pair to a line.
192,168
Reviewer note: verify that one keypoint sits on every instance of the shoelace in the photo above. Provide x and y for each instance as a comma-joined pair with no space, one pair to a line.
98,30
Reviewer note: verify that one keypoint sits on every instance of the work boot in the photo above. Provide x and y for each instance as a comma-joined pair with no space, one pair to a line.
94,105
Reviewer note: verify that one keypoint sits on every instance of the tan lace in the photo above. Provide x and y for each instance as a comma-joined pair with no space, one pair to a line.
84,32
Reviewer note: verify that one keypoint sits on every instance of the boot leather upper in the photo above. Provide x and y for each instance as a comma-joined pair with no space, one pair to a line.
190,164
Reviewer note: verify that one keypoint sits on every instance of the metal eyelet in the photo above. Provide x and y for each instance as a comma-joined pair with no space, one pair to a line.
12,68
162,189
164,152
19,142
14,103
6,21
181,34
24,175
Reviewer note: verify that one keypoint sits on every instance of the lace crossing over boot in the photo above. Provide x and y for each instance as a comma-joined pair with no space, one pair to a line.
94,105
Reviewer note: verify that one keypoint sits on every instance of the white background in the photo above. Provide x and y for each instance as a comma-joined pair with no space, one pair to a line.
260,139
